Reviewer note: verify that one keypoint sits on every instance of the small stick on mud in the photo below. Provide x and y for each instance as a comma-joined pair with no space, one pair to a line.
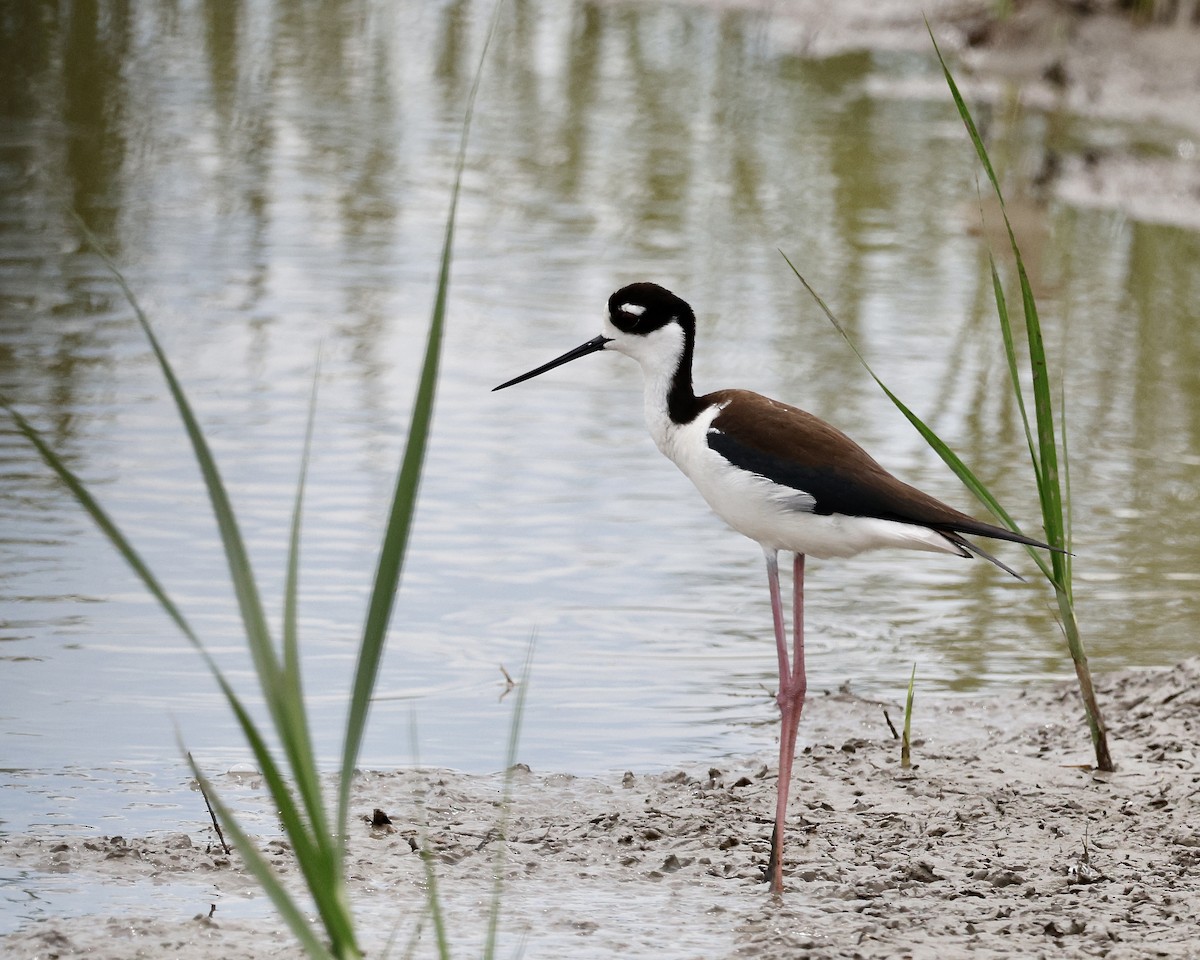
212,816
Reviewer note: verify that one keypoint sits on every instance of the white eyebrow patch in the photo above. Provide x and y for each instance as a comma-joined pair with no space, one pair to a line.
635,308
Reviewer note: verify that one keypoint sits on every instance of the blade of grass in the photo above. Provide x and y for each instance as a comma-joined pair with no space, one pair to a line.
1046,459
262,650
241,572
1068,518
291,680
313,859
106,524
291,649
906,740
395,538
435,904
322,874
319,851
510,767
257,864
432,898
1052,509
1010,354
1046,463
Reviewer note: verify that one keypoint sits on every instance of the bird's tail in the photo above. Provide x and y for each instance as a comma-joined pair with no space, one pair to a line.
968,548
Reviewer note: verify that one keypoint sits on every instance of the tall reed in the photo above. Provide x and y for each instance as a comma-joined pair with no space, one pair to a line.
315,829
1048,458
1050,462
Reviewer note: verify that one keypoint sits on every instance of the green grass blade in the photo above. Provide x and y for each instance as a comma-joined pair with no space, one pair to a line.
1045,456
968,120
1010,354
1067,501
1051,491
267,666
241,572
308,850
433,900
391,555
1046,460
102,520
314,855
291,681
906,739
435,904
395,539
510,764
307,847
257,864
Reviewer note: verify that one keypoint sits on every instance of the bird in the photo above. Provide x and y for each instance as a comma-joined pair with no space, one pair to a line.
778,475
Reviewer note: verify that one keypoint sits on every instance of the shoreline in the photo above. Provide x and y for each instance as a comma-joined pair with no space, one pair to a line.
1000,840
1135,84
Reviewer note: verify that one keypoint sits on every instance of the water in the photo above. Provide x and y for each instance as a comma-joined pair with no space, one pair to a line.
273,180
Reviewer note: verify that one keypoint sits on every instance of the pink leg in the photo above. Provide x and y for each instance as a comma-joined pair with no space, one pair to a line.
792,688
799,681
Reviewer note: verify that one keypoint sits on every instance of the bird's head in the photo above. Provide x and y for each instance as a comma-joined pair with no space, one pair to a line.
646,322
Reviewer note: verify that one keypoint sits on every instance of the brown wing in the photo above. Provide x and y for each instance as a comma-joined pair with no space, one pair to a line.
796,449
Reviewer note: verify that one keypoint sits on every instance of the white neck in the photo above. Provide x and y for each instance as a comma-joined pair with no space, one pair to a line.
659,355
656,385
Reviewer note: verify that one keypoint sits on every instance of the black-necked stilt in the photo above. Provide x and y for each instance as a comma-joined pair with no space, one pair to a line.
776,474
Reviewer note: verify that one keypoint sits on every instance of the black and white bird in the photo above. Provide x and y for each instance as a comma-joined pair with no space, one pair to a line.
776,474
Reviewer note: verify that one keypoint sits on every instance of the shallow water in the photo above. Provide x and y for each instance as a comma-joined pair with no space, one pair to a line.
274,185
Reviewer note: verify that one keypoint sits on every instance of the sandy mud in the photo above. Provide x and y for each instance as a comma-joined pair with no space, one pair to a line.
1134,84
999,841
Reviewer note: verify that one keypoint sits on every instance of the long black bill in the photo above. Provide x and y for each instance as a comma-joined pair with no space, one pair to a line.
596,343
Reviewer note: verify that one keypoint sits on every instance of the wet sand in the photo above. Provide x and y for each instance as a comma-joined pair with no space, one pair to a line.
1139,83
999,841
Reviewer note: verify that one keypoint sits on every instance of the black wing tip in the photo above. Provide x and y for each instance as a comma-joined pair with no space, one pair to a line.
981,529
968,548
964,544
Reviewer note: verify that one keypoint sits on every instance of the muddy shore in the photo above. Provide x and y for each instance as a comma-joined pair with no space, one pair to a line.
1000,841
1135,83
